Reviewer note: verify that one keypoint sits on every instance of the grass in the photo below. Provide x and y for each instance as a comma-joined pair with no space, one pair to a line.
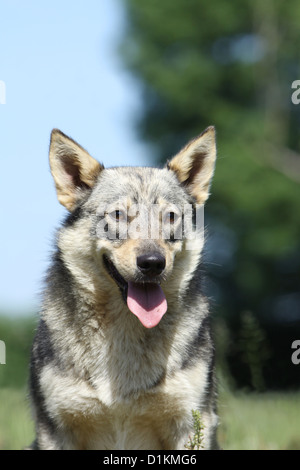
268,421
16,427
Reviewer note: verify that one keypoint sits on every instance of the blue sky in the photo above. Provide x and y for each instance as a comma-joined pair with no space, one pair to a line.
61,69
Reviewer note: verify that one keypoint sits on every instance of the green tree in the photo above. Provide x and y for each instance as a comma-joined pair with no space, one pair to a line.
253,348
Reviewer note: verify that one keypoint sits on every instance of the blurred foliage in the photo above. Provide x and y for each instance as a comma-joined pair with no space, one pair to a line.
254,349
232,64
17,334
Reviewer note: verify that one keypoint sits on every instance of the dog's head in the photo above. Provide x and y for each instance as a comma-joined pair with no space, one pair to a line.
140,227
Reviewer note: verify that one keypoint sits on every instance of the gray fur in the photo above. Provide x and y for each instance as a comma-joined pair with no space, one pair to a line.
98,378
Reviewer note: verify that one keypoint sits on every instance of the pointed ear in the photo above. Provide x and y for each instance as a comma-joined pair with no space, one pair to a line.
194,165
73,169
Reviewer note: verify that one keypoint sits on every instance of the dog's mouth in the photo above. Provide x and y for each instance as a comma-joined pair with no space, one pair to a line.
114,273
146,301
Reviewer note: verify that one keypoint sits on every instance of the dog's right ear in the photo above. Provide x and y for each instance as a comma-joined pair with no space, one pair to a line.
194,165
73,169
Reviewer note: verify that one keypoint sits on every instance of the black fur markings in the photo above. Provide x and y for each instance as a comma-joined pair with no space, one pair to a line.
44,349
116,276
73,217
42,354
199,346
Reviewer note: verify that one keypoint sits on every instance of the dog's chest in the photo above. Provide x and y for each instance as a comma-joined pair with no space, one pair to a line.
142,422
117,428
126,364
127,399
126,406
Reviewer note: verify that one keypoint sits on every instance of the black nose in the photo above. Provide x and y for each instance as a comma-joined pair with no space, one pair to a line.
151,264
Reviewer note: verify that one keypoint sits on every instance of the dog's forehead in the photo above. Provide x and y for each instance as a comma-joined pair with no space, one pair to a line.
140,184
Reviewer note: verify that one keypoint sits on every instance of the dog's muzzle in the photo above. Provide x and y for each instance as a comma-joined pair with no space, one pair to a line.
145,299
151,264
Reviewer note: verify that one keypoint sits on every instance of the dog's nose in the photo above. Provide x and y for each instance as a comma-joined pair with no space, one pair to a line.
151,264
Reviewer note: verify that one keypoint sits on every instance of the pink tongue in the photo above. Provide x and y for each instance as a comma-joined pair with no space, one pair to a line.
147,302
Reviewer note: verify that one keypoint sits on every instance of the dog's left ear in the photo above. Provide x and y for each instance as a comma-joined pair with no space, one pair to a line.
194,165
73,169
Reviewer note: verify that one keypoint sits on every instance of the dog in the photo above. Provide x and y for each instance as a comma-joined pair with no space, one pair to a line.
123,352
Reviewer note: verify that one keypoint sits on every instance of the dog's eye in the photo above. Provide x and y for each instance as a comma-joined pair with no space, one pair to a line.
170,217
118,215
